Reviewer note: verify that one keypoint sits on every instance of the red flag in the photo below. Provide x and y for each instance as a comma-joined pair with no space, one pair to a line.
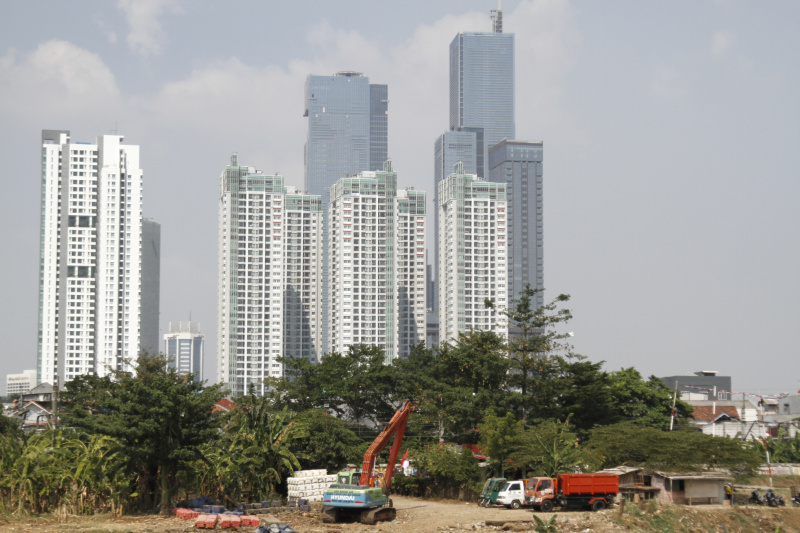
405,457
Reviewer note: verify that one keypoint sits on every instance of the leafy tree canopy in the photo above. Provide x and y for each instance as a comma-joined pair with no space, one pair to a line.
355,385
671,451
328,442
160,418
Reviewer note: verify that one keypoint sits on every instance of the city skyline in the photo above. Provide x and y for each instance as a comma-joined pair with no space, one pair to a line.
678,252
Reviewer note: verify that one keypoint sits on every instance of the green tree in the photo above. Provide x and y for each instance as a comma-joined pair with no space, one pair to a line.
356,385
781,448
159,417
449,468
583,394
644,403
258,446
453,384
548,449
675,451
443,401
533,340
500,436
10,426
328,443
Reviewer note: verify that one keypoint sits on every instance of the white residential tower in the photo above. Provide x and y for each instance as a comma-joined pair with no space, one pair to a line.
472,255
90,256
270,279
377,264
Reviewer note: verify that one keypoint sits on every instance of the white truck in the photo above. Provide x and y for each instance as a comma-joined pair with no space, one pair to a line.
512,494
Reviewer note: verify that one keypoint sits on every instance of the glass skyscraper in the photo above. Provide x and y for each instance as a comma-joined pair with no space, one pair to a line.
518,164
348,133
482,84
481,104
347,128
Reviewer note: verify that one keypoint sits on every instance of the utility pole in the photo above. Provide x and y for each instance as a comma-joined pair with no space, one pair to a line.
54,424
674,401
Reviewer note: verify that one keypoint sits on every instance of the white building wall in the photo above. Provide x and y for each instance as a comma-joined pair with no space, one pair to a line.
377,264
411,277
254,238
184,346
19,383
90,256
472,255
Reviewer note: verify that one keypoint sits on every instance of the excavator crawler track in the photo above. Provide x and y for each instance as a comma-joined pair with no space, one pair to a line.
381,514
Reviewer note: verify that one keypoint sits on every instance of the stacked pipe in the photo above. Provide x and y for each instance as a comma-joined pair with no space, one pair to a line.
309,485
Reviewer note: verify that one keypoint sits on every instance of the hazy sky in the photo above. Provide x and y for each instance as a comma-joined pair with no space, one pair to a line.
671,133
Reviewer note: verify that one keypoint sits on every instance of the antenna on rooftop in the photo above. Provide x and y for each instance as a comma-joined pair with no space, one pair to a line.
497,18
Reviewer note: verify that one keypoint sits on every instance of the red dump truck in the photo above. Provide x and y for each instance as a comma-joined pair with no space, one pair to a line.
585,491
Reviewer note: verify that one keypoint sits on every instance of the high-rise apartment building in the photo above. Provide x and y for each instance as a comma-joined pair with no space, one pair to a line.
377,262
518,164
472,255
270,282
184,347
90,286
348,132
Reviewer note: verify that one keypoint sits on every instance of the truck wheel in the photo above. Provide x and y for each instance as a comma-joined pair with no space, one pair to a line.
599,505
547,506
515,504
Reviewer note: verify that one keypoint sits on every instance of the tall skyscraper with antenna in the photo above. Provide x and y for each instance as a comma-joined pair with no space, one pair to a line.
481,104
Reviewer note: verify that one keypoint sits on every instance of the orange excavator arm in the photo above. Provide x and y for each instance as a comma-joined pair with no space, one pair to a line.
397,428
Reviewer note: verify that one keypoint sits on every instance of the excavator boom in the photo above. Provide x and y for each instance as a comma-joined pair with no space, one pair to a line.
397,428
363,501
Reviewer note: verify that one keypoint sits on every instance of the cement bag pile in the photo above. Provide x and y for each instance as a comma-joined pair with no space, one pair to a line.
309,484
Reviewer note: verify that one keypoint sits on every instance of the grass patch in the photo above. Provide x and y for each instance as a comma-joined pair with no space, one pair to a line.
777,481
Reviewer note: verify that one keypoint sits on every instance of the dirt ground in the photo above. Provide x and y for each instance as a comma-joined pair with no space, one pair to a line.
423,516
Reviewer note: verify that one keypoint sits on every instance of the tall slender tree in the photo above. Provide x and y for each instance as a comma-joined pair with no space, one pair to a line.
533,339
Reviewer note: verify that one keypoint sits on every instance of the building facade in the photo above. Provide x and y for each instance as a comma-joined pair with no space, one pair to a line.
348,132
482,83
377,264
348,124
19,383
701,385
151,286
184,347
472,255
481,105
518,164
90,286
269,282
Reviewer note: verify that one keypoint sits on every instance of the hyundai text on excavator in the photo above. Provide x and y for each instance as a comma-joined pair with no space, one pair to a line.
354,496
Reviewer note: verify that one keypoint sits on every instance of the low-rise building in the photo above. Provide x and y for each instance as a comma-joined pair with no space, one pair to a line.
701,385
686,488
19,383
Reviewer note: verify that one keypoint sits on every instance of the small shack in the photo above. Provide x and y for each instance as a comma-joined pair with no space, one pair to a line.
637,484
690,488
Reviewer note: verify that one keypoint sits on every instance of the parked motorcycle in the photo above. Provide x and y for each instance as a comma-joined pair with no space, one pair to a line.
796,500
756,498
774,500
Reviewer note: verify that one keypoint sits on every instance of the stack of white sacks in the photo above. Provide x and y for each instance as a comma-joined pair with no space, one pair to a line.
309,484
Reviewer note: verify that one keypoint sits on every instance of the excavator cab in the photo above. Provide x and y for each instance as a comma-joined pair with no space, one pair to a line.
348,477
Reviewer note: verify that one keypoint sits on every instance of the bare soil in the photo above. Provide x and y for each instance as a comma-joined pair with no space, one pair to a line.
423,516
